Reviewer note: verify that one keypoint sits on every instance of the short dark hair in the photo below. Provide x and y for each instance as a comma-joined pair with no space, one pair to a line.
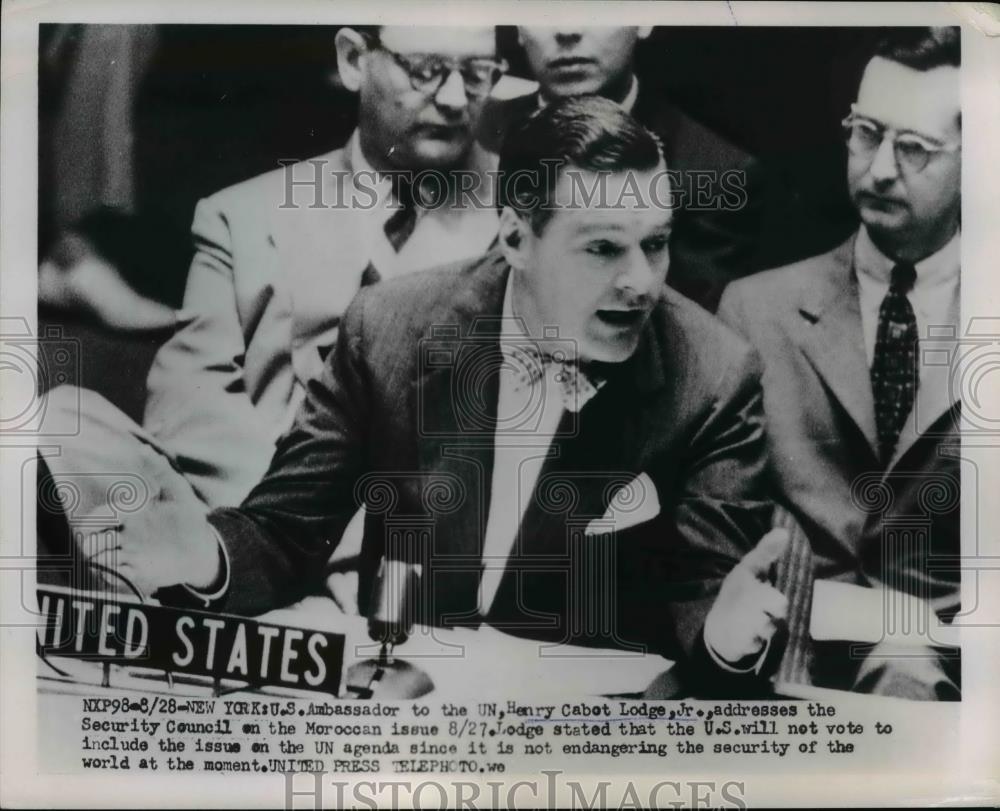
923,48
587,132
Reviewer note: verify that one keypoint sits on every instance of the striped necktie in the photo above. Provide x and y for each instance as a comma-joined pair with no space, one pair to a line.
398,229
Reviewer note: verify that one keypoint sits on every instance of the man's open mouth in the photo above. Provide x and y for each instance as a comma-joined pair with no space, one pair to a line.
621,318
444,132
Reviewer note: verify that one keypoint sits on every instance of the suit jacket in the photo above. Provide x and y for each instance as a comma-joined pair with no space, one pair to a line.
265,293
708,247
403,418
867,525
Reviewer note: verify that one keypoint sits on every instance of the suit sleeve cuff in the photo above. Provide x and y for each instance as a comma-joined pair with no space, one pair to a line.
754,667
216,594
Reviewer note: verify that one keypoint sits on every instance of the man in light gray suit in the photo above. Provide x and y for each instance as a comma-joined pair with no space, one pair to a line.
280,256
864,438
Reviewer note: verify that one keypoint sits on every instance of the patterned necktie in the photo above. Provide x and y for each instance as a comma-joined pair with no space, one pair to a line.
529,364
398,228
894,371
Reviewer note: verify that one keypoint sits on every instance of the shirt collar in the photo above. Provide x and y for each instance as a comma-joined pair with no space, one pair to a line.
511,327
359,163
626,104
934,269
633,93
479,160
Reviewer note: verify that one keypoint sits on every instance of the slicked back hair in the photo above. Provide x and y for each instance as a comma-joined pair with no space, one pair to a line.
590,133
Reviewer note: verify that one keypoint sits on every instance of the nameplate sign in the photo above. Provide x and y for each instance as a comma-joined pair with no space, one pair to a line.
112,628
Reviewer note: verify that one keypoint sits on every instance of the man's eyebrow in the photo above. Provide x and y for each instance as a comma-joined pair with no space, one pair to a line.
438,55
660,229
664,225
900,130
590,228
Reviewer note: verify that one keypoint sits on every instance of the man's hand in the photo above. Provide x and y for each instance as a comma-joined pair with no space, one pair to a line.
748,609
165,543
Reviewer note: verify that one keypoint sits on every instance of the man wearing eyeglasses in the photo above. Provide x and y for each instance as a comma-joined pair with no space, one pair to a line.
864,436
280,256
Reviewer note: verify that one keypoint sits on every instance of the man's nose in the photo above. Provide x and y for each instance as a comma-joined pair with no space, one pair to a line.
566,37
451,94
640,277
883,167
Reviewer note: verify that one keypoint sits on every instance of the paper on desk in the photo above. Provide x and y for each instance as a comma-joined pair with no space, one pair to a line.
470,663
850,613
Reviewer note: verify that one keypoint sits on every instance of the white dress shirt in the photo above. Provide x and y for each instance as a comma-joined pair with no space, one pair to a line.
441,235
935,293
519,453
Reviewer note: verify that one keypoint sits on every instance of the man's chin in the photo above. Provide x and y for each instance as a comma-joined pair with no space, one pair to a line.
609,351
583,87
437,153
880,219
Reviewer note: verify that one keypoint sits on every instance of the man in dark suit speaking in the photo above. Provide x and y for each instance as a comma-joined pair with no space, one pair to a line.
717,185
568,450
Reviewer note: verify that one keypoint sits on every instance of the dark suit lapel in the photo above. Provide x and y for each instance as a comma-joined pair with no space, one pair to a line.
832,338
660,115
456,399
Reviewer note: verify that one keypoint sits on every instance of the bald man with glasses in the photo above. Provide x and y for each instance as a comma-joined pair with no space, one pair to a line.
864,436
280,256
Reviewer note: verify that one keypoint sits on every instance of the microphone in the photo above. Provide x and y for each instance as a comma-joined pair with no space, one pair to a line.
391,617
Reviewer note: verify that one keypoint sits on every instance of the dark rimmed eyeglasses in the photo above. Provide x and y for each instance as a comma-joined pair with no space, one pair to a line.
912,150
429,72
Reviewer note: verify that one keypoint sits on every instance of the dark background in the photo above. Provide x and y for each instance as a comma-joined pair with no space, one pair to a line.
222,103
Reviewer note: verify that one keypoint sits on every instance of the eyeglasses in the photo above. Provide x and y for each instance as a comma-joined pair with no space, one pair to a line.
912,150
428,72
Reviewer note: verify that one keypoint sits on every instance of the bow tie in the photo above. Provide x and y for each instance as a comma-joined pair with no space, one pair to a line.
576,382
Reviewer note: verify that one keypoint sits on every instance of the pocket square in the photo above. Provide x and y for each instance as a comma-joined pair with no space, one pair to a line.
635,503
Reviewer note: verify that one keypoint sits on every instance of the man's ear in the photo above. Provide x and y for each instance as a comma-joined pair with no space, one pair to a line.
351,50
513,238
